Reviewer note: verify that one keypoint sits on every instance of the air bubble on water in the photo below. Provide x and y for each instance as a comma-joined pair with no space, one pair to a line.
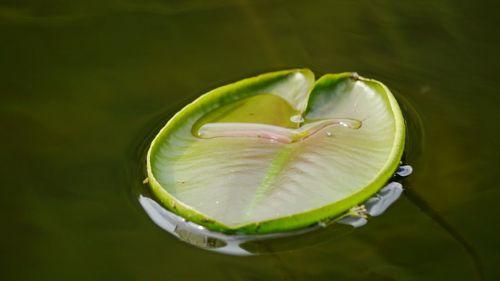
404,170
297,119
329,134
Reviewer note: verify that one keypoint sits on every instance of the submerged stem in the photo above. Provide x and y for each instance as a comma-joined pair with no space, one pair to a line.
420,202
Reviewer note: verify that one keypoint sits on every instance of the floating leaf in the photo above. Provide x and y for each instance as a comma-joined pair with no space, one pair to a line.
277,152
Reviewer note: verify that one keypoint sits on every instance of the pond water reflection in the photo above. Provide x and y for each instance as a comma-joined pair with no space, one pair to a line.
85,85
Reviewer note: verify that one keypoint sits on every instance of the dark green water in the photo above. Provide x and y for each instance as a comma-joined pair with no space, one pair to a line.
84,85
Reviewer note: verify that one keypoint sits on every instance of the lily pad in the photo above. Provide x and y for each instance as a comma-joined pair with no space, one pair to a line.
277,152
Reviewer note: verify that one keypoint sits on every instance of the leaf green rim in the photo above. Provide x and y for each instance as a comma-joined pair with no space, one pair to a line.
285,223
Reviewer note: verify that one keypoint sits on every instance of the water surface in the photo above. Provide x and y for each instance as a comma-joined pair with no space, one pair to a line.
85,85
